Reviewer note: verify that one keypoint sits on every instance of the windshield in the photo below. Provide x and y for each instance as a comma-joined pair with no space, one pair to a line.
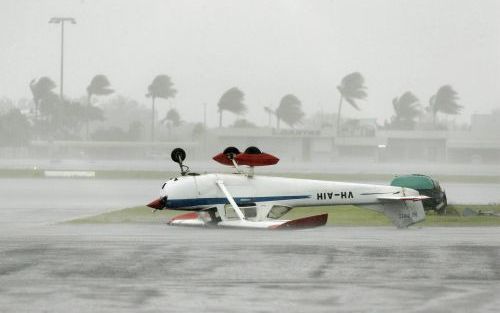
248,211
278,211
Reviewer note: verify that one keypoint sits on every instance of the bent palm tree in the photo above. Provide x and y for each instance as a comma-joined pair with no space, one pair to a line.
161,87
351,88
289,111
444,101
99,86
173,118
41,89
407,108
232,101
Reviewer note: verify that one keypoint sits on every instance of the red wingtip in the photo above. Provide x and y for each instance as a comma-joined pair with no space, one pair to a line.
156,204
305,222
185,216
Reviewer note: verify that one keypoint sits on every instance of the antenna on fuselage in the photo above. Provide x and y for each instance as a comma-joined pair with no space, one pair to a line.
178,155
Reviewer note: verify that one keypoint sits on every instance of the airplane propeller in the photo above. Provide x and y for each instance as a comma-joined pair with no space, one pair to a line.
158,204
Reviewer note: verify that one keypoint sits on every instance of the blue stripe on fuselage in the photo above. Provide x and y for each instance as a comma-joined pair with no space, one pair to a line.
182,203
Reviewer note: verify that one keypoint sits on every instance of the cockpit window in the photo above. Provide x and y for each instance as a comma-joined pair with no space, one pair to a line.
278,211
229,212
163,186
249,210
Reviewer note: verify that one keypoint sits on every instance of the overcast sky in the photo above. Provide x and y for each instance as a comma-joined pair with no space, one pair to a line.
266,48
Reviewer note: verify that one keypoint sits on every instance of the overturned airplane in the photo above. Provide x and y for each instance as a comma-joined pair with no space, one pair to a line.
245,200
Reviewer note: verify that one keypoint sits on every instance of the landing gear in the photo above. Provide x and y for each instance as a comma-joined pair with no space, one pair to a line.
210,217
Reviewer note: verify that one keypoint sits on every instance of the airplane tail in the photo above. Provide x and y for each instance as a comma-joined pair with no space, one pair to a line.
403,211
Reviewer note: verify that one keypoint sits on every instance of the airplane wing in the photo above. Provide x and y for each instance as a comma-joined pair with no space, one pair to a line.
187,219
198,219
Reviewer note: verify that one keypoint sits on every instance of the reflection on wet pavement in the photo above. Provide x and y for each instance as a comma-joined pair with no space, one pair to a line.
158,268
51,267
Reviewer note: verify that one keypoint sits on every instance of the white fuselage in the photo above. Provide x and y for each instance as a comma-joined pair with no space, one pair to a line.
199,192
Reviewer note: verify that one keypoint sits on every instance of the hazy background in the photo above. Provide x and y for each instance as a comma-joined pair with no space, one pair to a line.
266,48
388,57
417,81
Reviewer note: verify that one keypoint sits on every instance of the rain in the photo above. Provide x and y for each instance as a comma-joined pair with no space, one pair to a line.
94,96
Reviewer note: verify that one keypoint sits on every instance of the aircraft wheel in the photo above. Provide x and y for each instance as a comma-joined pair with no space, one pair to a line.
178,155
252,150
230,152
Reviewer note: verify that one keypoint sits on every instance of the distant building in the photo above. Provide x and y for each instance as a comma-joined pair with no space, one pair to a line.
479,145
291,144
413,146
486,125
359,140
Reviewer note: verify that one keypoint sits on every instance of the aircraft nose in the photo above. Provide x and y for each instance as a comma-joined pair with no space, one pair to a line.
158,204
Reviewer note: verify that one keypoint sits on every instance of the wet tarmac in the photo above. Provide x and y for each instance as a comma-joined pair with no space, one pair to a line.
46,266
157,268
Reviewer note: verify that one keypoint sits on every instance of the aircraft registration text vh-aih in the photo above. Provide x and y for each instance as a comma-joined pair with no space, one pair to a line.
245,200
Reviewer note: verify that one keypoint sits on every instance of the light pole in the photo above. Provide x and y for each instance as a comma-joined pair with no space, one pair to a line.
62,20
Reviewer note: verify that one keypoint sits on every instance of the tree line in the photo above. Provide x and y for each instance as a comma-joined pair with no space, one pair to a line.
56,118
407,107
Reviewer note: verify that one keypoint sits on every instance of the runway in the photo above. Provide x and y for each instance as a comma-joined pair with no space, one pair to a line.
46,266
156,268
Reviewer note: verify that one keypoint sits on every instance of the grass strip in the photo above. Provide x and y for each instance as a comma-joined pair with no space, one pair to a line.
337,216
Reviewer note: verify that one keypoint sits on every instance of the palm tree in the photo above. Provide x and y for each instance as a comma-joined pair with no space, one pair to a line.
172,119
50,109
407,108
232,101
444,101
99,86
161,87
289,111
49,105
198,131
41,89
351,88
14,128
